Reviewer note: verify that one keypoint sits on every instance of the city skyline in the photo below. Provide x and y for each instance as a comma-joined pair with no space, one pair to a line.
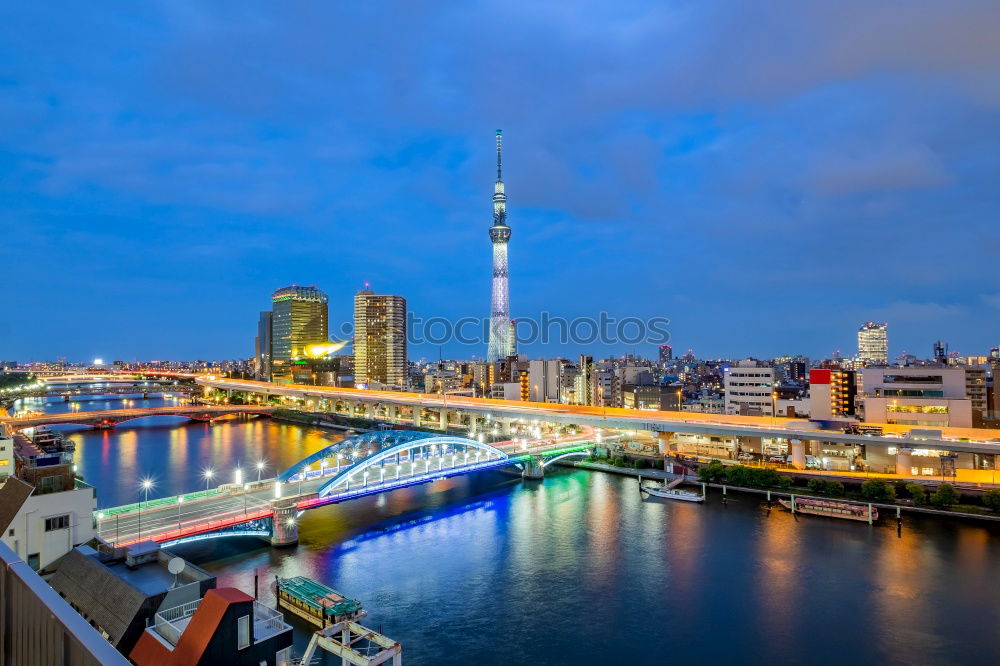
274,383
734,206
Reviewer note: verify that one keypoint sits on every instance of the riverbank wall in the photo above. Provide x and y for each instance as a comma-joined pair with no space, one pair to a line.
725,490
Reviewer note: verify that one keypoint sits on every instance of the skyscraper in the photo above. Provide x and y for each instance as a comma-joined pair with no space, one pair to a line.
298,319
666,353
873,344
500,343
262,348
379,339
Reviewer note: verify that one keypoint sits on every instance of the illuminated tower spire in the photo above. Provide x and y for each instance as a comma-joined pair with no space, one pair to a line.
501,343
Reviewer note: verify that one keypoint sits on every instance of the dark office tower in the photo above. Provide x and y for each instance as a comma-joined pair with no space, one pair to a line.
941,352
666,353
298,319
262,348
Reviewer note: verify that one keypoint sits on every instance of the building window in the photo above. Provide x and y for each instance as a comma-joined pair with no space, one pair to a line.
57,523
243,632
10,532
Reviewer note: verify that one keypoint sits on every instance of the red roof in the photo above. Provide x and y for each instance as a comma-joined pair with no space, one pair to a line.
199,631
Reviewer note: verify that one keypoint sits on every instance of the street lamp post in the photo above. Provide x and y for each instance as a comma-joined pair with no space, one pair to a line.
208,474
146,484
260,468
180,500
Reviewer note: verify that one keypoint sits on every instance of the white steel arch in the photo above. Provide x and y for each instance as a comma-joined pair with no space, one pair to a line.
377,457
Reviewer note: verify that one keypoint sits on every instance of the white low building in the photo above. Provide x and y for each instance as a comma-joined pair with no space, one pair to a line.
921,396
750,390
47,510
46,527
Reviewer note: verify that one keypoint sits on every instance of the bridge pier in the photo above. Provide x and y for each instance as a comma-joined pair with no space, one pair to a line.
663,442
904,460
473,425
798,449
285,527
416,416
443,419
533,468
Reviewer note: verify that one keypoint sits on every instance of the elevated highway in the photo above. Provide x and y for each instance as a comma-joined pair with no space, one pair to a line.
362,402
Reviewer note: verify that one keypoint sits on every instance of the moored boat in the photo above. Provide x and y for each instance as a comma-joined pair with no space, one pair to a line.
831,508
670,491
316,602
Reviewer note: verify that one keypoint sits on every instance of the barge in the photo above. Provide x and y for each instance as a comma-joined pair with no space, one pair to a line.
316,602
832,509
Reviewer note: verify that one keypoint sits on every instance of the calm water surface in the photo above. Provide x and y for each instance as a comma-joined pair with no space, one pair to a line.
579,569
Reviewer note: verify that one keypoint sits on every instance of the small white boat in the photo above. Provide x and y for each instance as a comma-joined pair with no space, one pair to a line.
670,492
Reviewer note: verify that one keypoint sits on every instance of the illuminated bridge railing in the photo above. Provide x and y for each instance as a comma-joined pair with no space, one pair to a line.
185,533
417,474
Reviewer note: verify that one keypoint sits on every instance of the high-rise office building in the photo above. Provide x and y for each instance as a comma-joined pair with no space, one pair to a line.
873,344
501,342
379,339
666,353
262,348
298,319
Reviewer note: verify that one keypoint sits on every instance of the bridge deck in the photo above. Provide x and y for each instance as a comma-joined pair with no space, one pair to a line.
115,416
167,519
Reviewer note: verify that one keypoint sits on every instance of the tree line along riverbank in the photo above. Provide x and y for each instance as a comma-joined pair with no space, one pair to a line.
943,499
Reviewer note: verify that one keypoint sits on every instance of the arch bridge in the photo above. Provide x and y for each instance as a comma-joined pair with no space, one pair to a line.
365,464
110,418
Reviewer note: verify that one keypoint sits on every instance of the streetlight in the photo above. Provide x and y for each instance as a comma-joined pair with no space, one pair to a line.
260,468
208,474
145,485
180,500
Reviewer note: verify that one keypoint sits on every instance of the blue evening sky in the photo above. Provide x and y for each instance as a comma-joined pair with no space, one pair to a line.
767,175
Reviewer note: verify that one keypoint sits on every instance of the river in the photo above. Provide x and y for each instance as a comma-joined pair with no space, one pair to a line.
578,568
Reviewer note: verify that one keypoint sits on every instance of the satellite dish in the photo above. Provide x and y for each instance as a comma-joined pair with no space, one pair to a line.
175,566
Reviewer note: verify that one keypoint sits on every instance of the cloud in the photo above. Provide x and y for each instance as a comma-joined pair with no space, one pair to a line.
878,170
734,149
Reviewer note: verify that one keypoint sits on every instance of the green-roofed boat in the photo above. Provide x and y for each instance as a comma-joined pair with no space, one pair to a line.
316,602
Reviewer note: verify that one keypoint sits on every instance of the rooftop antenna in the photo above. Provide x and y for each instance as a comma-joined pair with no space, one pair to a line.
499,148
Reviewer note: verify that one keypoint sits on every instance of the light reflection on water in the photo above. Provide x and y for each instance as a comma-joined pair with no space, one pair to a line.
580,569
